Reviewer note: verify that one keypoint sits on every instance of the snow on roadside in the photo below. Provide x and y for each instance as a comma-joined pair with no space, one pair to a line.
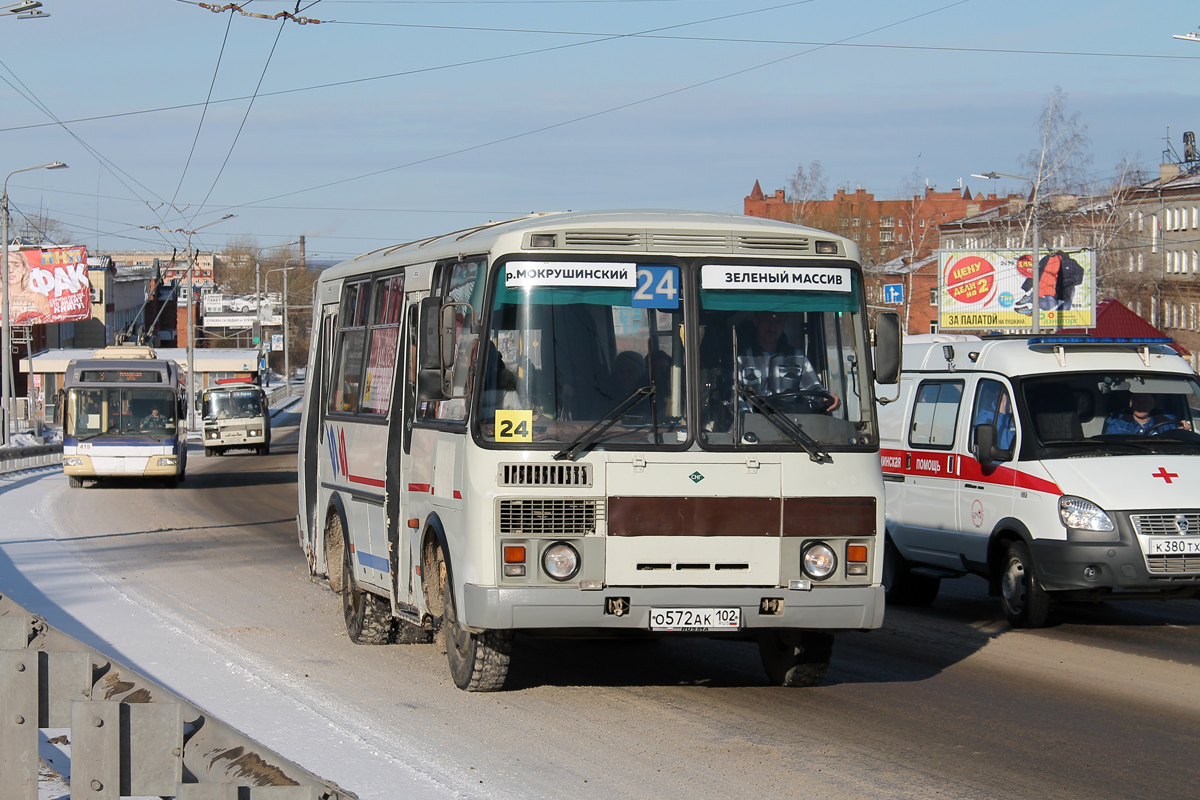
44,577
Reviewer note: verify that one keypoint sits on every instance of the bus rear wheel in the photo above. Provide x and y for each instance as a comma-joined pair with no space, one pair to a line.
368,617
795,658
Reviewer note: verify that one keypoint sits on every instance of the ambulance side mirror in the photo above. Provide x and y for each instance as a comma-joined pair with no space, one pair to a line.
986,448
887,348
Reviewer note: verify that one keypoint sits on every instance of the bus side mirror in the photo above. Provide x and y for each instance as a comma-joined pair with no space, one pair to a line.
986,449
887,348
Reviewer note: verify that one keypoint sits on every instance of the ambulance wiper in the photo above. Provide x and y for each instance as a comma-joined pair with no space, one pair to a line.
585,440
786,425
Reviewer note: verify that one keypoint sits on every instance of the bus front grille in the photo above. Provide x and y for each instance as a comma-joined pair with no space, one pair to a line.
547,517
545,475
1173,564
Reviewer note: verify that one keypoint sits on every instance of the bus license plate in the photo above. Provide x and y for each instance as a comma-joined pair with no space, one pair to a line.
1166,545
695,619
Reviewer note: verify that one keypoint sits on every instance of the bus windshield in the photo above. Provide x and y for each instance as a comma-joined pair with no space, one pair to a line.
561,359
92,412
780,349
233,404
608,364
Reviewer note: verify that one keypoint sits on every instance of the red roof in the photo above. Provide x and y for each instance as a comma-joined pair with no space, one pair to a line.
1115,319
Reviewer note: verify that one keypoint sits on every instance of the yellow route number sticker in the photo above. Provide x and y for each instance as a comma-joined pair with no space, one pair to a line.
514,426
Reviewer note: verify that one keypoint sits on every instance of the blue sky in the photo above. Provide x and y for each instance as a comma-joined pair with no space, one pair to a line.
391,120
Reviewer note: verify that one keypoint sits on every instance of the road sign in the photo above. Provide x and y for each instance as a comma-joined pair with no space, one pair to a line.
893,293
276,341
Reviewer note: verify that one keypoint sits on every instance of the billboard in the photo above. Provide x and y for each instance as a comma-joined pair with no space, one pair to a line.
48,286
993,289
241,311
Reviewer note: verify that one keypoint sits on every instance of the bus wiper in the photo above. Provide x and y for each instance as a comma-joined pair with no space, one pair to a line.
586,439
784,423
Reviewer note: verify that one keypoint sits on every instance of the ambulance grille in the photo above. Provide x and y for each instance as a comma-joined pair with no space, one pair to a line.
1166,524
545,475
548,517
1173,564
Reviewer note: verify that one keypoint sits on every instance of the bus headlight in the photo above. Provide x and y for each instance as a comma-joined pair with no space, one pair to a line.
256,433
560,561
72,461
166,461
819,561
1083,515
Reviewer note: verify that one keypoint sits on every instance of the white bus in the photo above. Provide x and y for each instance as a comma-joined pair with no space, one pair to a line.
574,424
123,417
235,416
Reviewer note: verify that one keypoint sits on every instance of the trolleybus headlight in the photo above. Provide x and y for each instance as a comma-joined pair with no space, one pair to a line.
1083,515
72,461
166,461
560,561
819,561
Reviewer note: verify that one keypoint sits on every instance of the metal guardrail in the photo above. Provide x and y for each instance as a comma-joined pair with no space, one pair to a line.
14,459
128,735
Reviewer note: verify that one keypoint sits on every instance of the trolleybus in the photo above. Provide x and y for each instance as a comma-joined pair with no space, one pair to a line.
123,417
573,424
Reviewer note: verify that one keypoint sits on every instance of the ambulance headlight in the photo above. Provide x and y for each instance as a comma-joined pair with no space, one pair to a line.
1083,515
560,561
819,561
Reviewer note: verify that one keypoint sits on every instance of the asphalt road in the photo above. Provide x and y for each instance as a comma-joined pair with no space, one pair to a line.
946,701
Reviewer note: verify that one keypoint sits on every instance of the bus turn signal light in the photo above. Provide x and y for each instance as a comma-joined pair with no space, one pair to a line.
856,552
514,554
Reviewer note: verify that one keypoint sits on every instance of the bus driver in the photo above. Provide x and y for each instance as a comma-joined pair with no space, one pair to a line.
769,364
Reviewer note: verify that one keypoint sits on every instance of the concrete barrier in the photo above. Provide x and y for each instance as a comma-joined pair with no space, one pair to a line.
128,735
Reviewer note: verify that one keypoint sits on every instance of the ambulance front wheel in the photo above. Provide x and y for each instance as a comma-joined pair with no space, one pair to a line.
903,587
1026,604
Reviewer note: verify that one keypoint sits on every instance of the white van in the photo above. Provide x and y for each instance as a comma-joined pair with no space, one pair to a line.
1054,467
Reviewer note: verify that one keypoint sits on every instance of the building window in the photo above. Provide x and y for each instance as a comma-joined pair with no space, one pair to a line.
933,326
933,298
1140,222
1154,233
1141,262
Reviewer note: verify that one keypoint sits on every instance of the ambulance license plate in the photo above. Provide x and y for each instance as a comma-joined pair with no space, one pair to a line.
1166,545
682,620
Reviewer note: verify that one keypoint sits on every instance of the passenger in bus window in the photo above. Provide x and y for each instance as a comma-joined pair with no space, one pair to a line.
770,365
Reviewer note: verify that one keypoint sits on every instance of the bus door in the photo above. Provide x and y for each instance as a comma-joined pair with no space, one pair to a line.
313,449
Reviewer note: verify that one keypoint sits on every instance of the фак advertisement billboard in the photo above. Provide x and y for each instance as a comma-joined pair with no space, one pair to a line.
46,286
993,289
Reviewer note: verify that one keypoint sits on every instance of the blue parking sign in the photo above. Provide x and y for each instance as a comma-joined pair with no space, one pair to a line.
893,293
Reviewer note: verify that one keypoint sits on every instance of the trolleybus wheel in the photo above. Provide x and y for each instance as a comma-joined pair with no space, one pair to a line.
478,661
795,658
75,482
1025,602
368,616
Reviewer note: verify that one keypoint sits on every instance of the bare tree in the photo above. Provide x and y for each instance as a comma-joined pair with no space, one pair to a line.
1059,164
806,189
39,229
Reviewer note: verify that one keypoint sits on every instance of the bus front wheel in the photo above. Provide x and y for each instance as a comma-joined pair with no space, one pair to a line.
478,661
795,658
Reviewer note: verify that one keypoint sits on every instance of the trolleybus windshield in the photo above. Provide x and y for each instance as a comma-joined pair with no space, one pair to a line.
121,411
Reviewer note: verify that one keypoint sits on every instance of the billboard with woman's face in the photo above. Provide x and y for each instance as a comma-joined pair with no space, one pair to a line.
46,286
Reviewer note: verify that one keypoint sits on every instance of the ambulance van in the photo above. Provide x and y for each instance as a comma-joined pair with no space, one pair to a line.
1055,467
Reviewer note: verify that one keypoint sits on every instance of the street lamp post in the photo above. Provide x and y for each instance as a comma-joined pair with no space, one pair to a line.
1037,245
287,365
6,380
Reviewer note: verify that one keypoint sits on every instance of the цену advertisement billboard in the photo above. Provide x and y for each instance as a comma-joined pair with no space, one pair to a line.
46,286
993,289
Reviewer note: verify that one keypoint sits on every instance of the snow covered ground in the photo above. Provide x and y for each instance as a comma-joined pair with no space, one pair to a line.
48,580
